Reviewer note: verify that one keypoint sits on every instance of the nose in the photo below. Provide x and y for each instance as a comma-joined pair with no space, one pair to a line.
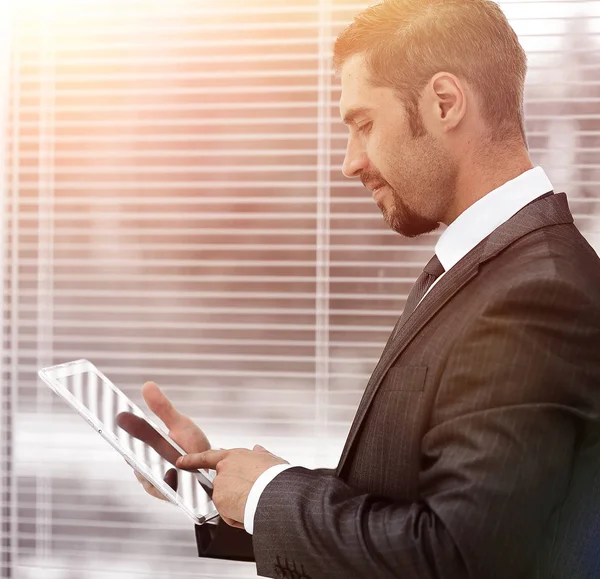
356,159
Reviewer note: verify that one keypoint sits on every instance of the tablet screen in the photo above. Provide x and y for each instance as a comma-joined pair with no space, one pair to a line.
120,420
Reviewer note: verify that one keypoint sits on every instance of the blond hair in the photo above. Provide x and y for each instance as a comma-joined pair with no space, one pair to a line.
406,42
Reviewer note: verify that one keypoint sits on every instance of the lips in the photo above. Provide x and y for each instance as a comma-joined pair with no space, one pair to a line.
377,195
375,187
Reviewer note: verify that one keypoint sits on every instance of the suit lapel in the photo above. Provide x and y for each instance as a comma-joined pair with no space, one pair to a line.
451,283
547,211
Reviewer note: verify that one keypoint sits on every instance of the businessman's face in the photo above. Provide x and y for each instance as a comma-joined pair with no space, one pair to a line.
412,176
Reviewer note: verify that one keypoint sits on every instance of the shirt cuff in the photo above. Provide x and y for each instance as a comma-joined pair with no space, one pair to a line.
257,489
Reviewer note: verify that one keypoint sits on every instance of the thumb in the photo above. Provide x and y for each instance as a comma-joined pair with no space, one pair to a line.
259,448
160,404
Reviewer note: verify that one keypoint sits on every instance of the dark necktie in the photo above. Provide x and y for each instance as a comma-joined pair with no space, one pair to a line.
432,271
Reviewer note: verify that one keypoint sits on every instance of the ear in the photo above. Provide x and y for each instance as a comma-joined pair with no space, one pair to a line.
448,100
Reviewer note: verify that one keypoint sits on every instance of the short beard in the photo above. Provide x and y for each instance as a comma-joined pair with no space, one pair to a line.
401,218
405,221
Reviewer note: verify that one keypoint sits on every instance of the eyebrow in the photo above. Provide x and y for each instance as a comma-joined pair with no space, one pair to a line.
353,113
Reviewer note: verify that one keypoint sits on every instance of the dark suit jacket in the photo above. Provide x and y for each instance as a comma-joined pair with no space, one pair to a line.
475,452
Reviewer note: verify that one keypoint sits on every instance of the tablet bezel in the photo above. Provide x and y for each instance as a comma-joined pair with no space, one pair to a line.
51,375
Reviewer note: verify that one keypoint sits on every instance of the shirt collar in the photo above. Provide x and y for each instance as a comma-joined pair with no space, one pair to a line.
487,214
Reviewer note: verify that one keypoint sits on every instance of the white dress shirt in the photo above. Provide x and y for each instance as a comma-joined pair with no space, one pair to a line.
462,235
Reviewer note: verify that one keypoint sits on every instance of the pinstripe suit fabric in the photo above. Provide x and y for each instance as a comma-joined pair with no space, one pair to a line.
475,451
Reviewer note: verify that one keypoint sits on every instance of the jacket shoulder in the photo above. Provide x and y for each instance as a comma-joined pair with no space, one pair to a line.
552,256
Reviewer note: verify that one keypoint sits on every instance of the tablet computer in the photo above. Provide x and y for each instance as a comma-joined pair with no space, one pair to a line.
116,418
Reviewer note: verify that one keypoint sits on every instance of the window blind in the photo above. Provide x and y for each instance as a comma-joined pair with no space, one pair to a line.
174,211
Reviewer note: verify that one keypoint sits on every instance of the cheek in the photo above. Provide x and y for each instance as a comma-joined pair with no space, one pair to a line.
389,154
391,165
376,153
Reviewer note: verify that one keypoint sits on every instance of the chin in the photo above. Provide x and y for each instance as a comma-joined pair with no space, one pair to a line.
408,223
409,230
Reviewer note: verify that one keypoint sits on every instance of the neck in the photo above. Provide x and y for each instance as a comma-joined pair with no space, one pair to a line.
479,176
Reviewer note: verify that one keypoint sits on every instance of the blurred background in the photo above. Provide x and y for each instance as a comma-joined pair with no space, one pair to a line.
173,209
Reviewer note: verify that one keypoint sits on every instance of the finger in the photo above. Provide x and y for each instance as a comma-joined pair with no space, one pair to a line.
149,487
208,459
139,428
171,478
262,449
233,523
160,404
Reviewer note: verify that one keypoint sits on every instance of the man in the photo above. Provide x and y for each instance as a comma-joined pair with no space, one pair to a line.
475,451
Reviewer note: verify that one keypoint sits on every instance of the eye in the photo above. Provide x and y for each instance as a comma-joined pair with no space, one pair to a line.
366,128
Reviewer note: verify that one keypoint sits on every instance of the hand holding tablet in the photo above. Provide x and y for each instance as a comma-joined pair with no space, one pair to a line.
143,444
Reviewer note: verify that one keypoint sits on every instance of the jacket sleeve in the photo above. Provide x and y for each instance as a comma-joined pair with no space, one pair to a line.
224,542
517,390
